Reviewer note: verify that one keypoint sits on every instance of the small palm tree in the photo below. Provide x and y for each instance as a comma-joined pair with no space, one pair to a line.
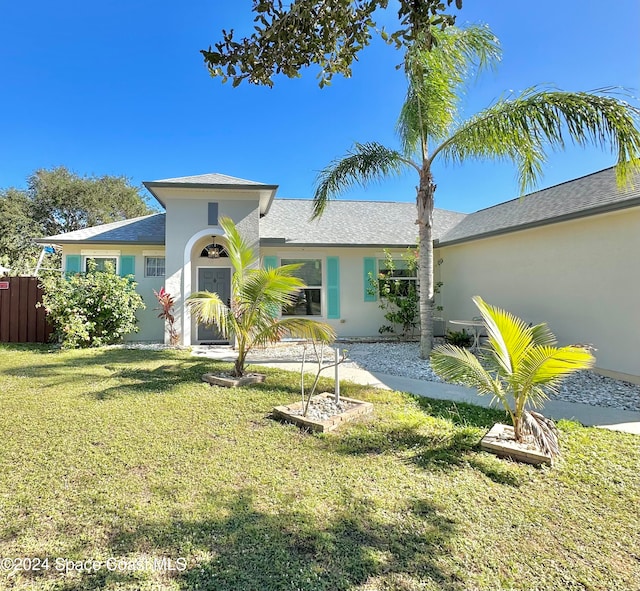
518,129
256,297
521,365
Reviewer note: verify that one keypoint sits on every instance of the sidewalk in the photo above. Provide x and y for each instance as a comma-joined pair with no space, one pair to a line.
587,414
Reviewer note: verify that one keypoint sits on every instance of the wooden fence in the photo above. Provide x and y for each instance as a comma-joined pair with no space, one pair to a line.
20,320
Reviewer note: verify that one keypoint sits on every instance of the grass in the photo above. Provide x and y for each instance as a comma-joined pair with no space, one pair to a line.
126,455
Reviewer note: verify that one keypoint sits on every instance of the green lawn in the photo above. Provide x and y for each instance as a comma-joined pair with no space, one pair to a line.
126,455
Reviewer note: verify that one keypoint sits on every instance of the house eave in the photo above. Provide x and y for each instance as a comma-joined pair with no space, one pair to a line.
267,192
280,242
602,209
46,241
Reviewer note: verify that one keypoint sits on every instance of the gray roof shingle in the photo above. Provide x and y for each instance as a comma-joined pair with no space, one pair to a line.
212,178
348,223
587,195
149,229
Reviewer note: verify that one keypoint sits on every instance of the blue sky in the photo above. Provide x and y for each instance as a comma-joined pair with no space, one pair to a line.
120,88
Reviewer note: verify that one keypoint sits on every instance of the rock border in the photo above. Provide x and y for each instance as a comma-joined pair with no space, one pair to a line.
359,409
230,382
500,440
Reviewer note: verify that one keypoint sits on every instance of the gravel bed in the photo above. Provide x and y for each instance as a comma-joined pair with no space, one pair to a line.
324,408
401,359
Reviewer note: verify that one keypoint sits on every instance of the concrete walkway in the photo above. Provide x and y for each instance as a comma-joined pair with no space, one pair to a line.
587,414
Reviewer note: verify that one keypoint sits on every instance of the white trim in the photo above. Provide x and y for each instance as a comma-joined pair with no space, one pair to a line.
186,277
104,254
153,253
153,256
101,256
311,256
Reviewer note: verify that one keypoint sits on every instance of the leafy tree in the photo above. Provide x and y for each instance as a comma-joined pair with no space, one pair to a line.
58,201
522,363
91,309
17,228
63,201
515,128
256,296
328,33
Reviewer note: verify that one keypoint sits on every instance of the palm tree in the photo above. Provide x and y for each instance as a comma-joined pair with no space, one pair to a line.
515,128
257,295
521,364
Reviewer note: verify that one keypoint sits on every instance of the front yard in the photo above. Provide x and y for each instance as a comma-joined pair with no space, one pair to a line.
123,468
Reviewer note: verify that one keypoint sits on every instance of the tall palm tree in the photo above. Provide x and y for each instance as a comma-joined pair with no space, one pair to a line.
256,297
515,128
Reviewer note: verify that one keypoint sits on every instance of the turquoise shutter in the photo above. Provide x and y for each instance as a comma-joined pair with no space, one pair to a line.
333,287
270,262
369,271
74,264
127,265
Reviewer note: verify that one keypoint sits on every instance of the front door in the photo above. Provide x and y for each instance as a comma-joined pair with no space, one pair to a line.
216,281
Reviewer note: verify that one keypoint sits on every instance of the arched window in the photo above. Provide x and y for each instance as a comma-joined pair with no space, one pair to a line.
214,251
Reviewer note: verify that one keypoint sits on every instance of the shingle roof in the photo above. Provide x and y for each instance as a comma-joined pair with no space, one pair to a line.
149,229
212,178
588,195
385,224
348,223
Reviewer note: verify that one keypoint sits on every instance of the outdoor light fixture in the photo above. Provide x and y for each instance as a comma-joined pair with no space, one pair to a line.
213,250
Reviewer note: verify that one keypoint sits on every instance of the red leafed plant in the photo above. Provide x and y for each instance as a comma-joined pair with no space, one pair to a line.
166,301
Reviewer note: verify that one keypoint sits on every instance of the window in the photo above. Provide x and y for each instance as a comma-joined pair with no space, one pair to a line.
309,302
154,266
102,263
397,276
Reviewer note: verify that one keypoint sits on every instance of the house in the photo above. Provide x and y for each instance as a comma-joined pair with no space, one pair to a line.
566,255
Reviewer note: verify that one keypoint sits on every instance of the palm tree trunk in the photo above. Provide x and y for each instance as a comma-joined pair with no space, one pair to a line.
425,202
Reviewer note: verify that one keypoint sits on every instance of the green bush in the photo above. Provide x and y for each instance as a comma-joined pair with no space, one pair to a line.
92,309
459,338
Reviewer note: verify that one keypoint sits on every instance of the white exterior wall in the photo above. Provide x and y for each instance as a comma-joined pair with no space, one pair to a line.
582,277
151,327
187,232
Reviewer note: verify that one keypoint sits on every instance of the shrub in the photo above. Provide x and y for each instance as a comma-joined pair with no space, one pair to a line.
459,338
92,309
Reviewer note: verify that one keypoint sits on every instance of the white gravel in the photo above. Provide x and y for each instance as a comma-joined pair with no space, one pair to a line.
401,359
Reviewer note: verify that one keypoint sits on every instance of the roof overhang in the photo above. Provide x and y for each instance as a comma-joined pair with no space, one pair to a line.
162,190
576,215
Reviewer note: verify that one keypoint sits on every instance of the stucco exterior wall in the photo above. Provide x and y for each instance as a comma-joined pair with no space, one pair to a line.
582,277
358,318
187,230
151,327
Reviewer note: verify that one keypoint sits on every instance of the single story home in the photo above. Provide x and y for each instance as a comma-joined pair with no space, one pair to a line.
566,255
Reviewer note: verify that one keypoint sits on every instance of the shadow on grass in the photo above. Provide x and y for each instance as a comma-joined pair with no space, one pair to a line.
121,371
249,549
446,436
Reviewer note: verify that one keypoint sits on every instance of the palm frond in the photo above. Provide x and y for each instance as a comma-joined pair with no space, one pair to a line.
304,328
455,364
546,366
543,430
509,336
241,255
209,309
519,128
435,79
363,164
271,287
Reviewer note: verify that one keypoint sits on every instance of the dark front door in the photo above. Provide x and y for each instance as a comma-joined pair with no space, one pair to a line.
216,281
